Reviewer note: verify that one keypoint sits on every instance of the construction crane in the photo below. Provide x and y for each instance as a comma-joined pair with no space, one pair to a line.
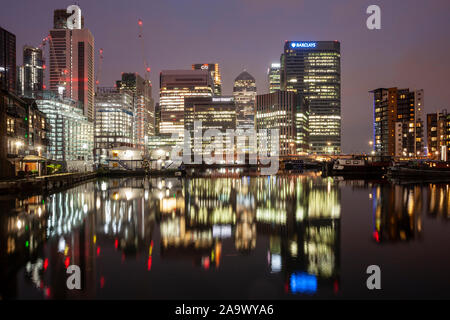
146,77
99,69
141,36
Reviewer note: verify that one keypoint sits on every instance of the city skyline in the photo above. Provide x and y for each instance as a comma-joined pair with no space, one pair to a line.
256,46
254,150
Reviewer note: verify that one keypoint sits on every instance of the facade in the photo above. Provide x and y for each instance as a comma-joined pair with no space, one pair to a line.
398,125
143,106
7,60
214,71
30,76
244,92
175,85
23,134
288,112
38,129
438,135
273,74
214,113
70,133
313,69
72,64
114,121
157,117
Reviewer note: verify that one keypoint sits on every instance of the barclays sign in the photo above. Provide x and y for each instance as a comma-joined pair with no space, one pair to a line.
303,44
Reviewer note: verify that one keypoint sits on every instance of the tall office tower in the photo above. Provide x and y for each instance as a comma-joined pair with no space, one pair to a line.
30,77
143,106
214,113
398,125
114,120
288,112
213,69
244,92
313,69
72,63
438,135
175,85
273,74
7,60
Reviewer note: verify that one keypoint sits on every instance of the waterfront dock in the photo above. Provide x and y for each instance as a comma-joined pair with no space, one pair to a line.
45,183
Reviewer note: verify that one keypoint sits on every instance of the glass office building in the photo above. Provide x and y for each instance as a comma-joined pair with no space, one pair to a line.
114,120
274,77
30,76
175,85
214,71
313,69
289,113
71,134
144,111
244,92
214,113
7,60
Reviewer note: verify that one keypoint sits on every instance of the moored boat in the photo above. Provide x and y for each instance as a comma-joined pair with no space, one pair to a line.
427,169
359,167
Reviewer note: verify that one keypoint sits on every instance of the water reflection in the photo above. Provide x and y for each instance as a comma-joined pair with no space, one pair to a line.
289,226
397,213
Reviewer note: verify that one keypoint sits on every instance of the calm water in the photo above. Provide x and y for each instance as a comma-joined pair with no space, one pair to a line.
297,237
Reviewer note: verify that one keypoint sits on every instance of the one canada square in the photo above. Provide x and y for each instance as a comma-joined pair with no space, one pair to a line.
313,69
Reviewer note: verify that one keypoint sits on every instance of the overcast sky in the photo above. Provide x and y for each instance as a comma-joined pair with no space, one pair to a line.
411,50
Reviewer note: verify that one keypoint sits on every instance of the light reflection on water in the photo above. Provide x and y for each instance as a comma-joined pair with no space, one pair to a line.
274,237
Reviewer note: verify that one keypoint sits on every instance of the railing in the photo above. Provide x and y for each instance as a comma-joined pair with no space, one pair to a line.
123,164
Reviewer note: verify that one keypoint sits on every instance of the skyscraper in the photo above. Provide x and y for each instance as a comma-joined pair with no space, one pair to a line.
288,112
313,69
7,60
398,125
175,85
274,77
244,92
213,69
143,106
31,74
72,63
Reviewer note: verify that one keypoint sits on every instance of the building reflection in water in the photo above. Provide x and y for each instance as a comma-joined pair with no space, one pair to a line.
439,200
293,220
299,215
397,212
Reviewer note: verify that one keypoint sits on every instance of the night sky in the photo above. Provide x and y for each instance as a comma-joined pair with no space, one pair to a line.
411,50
